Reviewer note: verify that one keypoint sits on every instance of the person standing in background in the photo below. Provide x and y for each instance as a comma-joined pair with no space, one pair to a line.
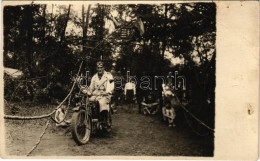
169,100
130,93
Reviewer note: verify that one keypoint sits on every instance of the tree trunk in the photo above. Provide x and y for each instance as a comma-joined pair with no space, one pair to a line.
165,25
64,30
29,41
44,25
85,28
83,31
87,21
87,17
51,21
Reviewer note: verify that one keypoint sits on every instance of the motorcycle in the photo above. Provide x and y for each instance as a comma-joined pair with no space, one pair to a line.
87,119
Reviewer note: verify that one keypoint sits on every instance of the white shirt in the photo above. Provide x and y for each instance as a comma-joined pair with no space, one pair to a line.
130,86
167,90
105,84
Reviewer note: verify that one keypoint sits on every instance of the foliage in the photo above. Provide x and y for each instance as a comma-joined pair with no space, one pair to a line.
47,40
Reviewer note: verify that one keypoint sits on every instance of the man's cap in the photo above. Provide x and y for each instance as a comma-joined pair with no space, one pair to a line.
99,64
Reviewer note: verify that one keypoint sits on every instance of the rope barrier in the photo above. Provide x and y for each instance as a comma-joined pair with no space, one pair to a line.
28,117
38,142
195,131
187,111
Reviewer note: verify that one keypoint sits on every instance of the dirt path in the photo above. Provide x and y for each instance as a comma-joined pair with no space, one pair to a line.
132,135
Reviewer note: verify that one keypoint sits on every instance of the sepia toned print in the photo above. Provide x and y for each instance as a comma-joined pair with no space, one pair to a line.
112,80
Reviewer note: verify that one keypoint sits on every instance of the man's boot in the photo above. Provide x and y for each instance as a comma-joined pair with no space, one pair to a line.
108,119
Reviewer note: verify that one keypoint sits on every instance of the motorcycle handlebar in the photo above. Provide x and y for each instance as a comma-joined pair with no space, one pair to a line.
102,95
84,94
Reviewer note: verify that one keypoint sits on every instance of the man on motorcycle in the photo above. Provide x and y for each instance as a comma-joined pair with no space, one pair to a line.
101,89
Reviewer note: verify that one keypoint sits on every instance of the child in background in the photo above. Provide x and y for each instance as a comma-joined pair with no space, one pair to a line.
150,104
168,109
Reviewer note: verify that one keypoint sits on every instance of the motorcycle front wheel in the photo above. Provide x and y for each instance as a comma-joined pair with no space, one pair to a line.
81,127
108,129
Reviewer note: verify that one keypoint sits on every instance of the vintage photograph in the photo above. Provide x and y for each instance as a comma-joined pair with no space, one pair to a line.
93,79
